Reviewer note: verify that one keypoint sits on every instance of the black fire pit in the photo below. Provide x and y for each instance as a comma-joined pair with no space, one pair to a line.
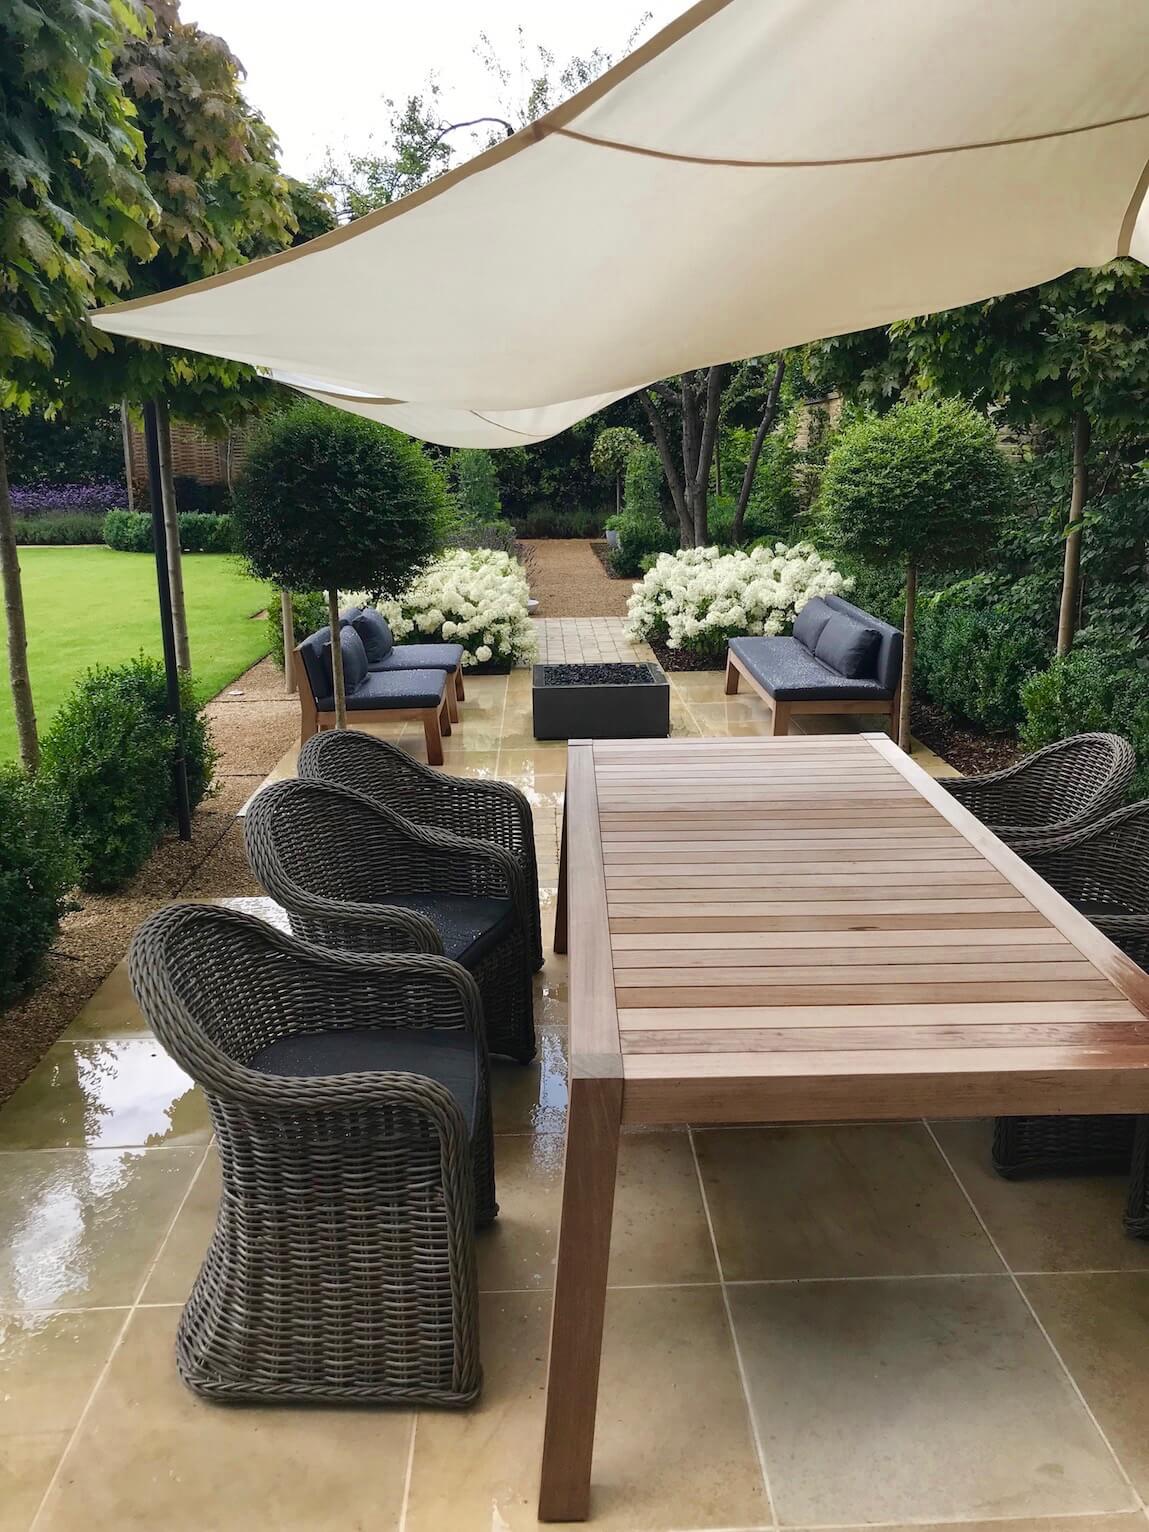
601,702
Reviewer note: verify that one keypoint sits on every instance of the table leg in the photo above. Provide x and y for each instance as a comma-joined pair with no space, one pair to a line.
560,941
579,1297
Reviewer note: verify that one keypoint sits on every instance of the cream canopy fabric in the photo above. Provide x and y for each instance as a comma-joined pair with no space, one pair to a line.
760,174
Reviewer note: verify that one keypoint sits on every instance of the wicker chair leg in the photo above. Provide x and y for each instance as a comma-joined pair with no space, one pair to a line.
1062,1146
326,1283
506,984
1137,1203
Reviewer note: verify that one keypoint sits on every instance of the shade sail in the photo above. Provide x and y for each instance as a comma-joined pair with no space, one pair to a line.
759,174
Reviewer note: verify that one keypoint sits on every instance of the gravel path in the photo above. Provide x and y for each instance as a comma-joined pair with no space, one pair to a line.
252,723
569,581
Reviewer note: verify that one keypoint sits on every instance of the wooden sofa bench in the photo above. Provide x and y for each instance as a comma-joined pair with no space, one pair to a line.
371,696
840,660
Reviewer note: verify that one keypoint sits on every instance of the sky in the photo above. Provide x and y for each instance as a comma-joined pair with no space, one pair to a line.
321,73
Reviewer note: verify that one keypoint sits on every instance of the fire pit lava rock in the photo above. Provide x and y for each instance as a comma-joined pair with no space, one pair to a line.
601,702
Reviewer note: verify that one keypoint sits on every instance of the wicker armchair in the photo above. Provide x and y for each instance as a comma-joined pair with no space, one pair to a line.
346,868
350,1105
1102,869
1051,792
479,810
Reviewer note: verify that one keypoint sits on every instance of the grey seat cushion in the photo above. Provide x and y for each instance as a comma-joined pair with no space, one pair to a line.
790,673
421,657
393,689
848,647
449,1057
469,925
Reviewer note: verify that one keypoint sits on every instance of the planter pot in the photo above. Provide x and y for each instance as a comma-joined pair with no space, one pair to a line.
532,606
612,538
601,702
491,668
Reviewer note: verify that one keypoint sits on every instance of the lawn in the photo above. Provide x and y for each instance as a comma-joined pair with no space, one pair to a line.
89,605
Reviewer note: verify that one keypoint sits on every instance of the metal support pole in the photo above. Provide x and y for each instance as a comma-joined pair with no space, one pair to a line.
167,631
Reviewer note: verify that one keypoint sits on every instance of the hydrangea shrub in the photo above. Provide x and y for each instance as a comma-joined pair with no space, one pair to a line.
698,598
476,597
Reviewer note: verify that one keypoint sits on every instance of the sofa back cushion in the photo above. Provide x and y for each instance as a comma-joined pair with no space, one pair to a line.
810,621
848,647
888,666
374,630
316,652
354,659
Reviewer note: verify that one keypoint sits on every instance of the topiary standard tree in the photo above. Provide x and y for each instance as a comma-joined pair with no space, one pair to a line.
924,485
610,454
477,485
328,499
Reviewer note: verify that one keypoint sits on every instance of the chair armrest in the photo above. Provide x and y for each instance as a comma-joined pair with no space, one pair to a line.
356,927
464,865
472,808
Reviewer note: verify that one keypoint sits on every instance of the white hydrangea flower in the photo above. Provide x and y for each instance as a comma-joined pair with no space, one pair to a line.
699,597
474,597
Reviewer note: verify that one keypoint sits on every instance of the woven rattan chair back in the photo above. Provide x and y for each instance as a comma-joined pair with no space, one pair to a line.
336,860
487,810
1058,788
1104,868
342,1265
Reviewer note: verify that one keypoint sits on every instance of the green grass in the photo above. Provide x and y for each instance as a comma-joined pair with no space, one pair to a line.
88,606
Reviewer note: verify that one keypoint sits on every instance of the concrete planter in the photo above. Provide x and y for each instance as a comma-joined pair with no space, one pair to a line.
601,702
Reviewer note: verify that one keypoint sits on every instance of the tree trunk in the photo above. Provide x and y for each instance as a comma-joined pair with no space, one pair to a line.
126,437
691,457
172,537
287,617
337,659
765,426
907,659
1071,579
669,468
18,679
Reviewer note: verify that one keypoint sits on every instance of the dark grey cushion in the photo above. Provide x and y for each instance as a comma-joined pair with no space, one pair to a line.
354,659
888,667
394,688
374,629
810,621
790,673
449,1057
848,647
470,926
315,652
422,657
398,688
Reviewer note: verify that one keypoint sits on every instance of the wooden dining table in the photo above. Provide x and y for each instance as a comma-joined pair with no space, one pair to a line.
798,929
